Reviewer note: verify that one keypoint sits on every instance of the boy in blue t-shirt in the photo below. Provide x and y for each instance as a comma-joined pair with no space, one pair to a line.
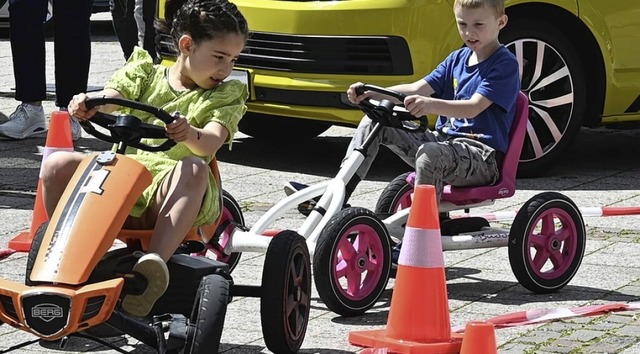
473,91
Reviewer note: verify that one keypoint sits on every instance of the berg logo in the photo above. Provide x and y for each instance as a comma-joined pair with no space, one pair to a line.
503,192
47,312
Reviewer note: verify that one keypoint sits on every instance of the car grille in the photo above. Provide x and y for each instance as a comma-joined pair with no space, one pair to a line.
353,55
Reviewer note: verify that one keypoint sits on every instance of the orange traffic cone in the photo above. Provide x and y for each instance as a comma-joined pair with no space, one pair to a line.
419,315
58,139
479,338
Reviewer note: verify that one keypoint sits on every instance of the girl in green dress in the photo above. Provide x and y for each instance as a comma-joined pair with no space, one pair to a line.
209,36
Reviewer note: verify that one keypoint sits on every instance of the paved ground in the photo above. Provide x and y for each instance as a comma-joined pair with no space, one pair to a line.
480,282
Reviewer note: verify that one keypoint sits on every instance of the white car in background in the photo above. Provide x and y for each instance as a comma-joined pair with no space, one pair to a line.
98,6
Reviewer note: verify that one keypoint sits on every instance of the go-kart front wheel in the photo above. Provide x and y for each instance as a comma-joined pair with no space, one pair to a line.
207,316
547,242
352,261
285,301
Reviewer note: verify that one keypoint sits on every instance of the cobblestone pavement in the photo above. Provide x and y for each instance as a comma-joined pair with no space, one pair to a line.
480,282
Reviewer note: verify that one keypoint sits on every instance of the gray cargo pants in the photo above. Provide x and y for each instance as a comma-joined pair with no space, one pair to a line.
437,159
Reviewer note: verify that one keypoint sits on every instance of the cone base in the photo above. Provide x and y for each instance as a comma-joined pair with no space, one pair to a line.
380,338
21,242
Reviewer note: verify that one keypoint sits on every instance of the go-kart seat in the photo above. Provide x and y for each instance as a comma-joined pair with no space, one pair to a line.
202,233
506,185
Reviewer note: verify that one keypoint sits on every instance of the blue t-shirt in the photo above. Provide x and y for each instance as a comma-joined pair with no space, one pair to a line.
495,78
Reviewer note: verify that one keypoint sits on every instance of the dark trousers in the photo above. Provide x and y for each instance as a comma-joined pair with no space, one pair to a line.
72,48
124,24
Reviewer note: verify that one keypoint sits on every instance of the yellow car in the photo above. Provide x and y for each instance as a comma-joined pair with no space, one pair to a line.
580,63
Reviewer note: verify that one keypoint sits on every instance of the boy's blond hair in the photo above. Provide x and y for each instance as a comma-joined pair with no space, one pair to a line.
496,5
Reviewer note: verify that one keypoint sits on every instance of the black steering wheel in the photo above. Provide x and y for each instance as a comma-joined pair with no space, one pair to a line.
388,113
128,130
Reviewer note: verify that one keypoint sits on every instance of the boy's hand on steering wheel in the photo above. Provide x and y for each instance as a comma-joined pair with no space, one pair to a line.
353,96
78,109
179,129
418,105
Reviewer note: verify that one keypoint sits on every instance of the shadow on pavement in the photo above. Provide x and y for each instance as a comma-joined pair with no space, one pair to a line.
595,151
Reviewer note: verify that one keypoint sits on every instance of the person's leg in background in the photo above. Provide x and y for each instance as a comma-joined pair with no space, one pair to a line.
124,24
26,33
150,11
145,14
72,47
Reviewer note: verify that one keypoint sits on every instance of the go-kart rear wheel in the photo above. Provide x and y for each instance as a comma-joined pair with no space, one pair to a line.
231,211
395,196
207,316
33,251
547,242
286,292
352,261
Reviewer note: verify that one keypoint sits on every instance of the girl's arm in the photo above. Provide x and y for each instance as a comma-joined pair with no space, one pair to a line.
78,109
201,141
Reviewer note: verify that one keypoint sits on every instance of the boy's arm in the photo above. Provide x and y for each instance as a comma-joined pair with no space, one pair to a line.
419,87
420,105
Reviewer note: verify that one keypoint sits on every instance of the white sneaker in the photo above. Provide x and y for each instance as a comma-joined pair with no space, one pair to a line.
76,129
26,121
155,271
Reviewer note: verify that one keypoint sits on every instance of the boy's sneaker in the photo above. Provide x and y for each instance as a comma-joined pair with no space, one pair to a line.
305,207
76,129
26,121
155,271
395,254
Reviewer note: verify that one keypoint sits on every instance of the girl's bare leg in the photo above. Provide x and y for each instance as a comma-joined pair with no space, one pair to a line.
57,170
177,204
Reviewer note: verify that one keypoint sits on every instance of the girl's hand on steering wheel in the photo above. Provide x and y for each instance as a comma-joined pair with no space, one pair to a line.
78,109
179,129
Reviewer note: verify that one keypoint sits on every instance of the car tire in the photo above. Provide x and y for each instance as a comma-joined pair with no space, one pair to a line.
554,80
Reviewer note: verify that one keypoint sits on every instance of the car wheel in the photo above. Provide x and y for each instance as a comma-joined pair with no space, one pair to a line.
275,128
553,78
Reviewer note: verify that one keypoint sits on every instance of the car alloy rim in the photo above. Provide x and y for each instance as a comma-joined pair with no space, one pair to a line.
547,80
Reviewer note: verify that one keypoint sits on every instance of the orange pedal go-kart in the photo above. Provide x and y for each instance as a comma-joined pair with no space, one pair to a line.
76,271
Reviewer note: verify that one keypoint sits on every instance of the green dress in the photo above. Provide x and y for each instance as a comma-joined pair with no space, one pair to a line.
140,80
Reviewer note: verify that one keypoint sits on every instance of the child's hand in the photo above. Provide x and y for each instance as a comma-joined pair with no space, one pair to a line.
179,129
353,96
418,105
78,109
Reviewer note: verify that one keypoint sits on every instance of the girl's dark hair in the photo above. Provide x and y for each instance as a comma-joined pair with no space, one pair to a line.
201,19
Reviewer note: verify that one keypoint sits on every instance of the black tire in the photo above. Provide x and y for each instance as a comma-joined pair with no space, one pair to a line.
390,199
33,252
207,316
556,260
371,267
284,129
286,293
233,211
542,150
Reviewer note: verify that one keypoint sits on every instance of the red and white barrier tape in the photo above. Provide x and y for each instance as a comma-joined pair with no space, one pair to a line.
522,318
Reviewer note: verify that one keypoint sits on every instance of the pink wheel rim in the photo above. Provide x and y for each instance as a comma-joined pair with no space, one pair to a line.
358,262
552,243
